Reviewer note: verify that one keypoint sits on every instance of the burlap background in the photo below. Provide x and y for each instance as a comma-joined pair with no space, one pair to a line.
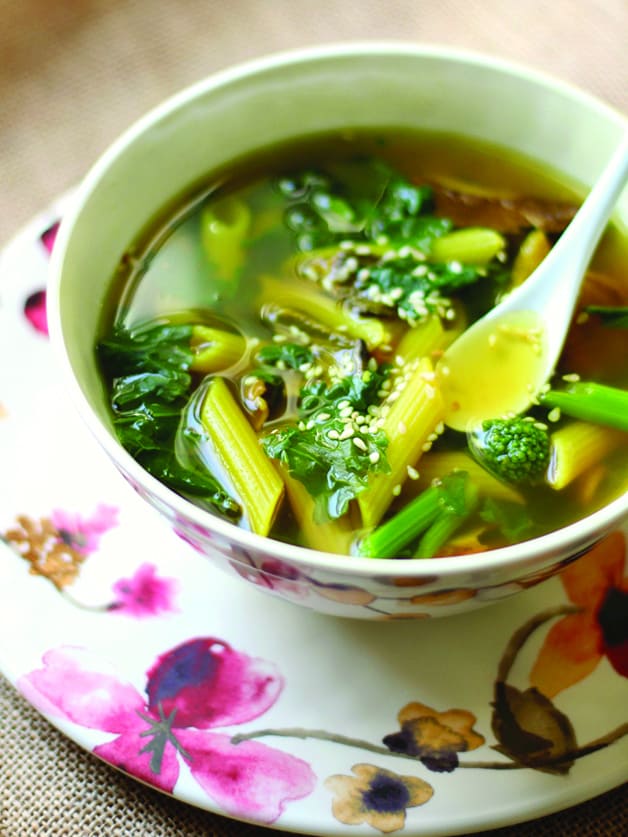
73,74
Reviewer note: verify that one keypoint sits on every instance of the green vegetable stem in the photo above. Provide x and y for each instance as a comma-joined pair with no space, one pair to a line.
592,402
438,512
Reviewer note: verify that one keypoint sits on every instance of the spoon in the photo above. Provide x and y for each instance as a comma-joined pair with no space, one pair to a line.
499,365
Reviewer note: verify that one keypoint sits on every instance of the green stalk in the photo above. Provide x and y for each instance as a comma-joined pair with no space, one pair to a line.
404,527
445,524
235,444
592,402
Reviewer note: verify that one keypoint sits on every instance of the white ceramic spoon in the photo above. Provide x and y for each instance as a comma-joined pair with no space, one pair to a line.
498,366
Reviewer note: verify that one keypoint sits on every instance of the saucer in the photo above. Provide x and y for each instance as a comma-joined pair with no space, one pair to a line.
133,646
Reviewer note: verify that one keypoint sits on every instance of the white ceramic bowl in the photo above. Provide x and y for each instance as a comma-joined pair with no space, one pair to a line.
261,103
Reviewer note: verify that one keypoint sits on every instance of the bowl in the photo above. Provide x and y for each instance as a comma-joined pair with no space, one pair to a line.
261,103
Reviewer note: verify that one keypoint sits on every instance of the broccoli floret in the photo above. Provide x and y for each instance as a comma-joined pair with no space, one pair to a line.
515,449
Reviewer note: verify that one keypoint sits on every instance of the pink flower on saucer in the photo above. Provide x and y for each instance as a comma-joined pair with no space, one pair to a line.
35,311
190,690
83,534
49,236
144,594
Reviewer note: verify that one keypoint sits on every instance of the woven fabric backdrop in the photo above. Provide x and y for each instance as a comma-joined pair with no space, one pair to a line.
73,75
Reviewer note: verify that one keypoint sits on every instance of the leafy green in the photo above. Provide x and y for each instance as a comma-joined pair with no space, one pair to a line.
413,288
613,316
512,519
326,449
286,355
325,208
371,244
401,213
150,383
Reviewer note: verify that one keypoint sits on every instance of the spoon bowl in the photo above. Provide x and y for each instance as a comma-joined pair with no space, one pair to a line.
499,365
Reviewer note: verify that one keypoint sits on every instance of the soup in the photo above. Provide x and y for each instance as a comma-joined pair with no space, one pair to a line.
271,349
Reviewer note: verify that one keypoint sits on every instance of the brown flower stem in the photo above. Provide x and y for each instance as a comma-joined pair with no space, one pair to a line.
319,735
96,608
519,638
360,744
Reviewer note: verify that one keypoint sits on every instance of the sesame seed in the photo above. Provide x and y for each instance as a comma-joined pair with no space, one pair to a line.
554,415
374,456
396,491
540,425
426,446
333,434
571,378
412,473
359,443
323,417
582,317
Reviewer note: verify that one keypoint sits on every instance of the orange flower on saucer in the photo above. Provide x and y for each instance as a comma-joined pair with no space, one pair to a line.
575,645
435,738
376,796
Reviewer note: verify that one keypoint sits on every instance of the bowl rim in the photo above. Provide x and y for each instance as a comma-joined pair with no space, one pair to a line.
536,551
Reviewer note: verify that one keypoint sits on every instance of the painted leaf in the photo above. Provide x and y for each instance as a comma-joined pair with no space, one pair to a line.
531,730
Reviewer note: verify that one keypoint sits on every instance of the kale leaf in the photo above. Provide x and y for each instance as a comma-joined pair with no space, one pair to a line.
148,374
413,288
512,519
327,450
285,355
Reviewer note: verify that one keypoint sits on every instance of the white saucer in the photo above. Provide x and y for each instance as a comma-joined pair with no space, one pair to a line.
280,716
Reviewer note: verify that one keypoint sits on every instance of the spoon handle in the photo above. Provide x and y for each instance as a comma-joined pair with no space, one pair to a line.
573,251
